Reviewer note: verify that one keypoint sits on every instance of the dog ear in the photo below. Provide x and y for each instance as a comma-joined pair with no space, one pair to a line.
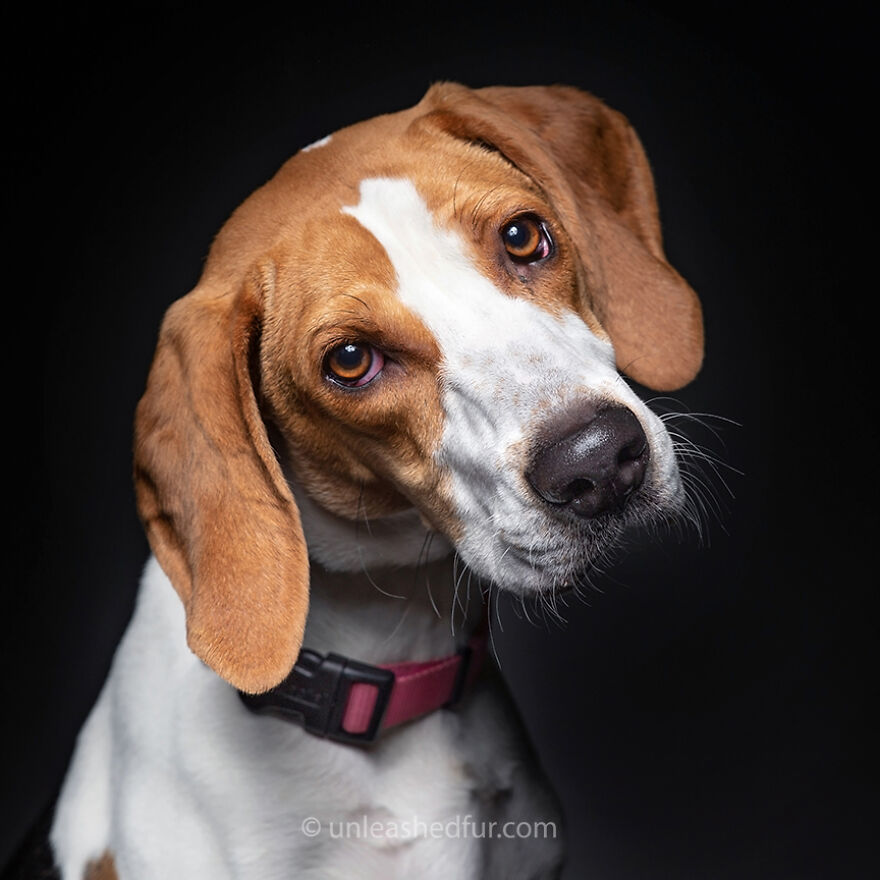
590,163
218,512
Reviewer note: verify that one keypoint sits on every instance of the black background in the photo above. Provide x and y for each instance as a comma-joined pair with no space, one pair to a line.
705,715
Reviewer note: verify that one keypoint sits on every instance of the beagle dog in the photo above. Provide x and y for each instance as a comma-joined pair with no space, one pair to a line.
394,388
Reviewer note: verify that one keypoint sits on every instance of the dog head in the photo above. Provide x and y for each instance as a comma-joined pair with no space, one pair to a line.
429,311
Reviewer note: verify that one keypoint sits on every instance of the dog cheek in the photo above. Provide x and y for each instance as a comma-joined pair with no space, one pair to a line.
412,462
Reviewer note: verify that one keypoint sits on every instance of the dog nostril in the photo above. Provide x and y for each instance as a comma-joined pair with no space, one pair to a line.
634,450
580,487
595,468
631,464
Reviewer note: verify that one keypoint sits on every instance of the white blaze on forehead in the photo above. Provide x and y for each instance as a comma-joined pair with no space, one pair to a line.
437,280
507,366
512,343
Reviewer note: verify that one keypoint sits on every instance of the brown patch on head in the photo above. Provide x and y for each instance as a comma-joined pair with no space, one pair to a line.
476,191
101,869
380,457
589,163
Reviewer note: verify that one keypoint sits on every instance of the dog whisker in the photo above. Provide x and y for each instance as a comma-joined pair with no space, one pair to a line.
431,598
460,571
703,471
362,511
422,564
467,596
400,621
493,644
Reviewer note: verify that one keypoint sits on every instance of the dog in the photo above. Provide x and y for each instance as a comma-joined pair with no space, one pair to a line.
396,386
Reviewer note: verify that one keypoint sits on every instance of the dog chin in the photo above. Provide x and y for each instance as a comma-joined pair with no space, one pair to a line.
571,552
559,562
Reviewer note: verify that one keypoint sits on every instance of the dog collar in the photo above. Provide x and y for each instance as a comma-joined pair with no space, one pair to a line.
348,701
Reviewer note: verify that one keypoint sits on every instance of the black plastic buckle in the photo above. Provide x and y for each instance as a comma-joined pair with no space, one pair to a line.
315,694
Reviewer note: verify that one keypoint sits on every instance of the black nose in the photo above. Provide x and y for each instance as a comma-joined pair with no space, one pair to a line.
594,468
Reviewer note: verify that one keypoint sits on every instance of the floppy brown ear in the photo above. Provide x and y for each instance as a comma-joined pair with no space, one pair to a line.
217,510
589,161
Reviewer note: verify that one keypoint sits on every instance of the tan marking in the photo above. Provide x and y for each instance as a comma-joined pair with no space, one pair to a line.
589,163
101,869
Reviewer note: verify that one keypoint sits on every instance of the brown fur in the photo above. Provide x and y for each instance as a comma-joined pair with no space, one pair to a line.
101,869
591,165
290,276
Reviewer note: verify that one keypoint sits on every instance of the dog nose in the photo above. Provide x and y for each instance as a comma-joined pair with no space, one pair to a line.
596,467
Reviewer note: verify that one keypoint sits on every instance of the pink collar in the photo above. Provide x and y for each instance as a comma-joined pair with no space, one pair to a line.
351,702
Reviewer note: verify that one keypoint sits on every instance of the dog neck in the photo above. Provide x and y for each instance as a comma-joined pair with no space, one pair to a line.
386,615
386,591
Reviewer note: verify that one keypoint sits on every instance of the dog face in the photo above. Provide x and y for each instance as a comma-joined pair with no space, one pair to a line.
430,309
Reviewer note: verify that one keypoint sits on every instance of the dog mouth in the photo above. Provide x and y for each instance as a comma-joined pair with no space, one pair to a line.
557,552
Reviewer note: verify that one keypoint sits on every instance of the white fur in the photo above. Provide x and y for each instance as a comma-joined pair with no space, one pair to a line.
321,142
176,778
401,539
507,366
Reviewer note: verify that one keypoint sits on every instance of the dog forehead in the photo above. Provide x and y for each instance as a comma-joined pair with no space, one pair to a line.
433,275
438,276
391,207
374,195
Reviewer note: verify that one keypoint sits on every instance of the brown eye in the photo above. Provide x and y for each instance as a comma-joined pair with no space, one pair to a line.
525,239
353,364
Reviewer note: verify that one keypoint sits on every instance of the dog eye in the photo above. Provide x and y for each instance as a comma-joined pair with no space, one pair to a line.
526,239
353,364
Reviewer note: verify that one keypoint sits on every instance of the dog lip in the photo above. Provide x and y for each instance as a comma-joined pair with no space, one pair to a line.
567,559
557,565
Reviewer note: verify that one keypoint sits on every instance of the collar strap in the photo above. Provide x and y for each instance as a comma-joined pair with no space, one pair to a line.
351,702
